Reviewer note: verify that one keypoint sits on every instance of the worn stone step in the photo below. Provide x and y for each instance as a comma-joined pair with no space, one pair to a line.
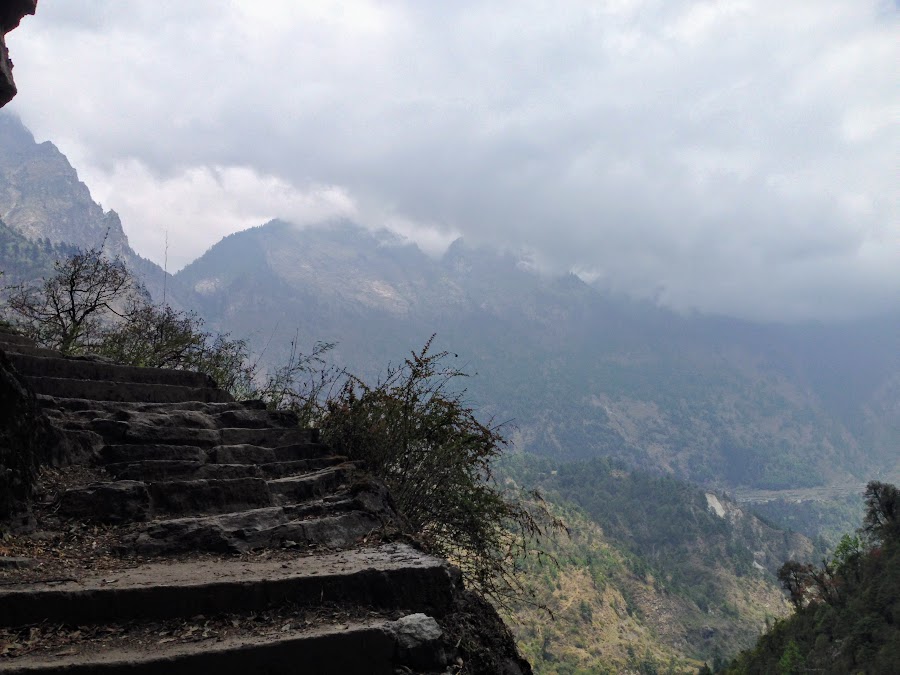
13,339
127,453
108,408
325,525
176,469
255,454
270,437
172,469
129,500
335,521
124,391
295,489
138,500
120,432
86,369
29,349
196,419
298,466
368,647
130,453
207,496
392,575
231,532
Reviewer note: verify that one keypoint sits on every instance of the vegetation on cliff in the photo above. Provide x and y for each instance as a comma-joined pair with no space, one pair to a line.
847,611
415,431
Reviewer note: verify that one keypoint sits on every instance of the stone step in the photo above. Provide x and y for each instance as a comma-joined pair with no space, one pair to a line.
255,454
294,489
108,408
172,469
122,501
124,391
271,437
336,521
188,419
14,339
127,453
196,497
130,453
330,525
388,576
368,647
129,500
30,350
119,432
85,369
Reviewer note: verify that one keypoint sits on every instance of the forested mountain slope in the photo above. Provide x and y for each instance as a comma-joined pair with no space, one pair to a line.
847,617
654,574
719,401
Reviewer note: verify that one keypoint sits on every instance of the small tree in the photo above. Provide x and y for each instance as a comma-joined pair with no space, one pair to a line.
66,310
797,579
417,434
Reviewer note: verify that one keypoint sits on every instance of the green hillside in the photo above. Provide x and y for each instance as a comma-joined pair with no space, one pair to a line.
847,617
650,575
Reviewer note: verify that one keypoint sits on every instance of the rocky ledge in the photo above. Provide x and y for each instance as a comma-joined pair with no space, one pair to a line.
176,530
11,12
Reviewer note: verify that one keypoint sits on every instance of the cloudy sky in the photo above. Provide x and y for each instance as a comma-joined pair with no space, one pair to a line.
735,156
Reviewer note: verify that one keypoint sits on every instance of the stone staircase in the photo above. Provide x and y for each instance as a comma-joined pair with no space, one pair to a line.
230,540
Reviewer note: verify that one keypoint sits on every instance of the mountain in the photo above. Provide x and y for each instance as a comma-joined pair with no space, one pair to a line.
41,198
718,401
580,373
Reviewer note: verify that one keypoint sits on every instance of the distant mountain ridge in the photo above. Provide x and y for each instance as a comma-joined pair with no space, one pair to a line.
719,401
41,197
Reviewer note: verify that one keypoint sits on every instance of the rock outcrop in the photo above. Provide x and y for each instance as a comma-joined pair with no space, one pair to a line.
11,12
187,532
20,430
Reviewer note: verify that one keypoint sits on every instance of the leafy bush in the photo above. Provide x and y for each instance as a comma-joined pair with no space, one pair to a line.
158,336
417,434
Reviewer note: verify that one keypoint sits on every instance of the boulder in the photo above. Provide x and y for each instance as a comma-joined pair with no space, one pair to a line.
420,642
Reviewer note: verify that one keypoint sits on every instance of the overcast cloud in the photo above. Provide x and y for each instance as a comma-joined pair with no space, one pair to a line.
729,156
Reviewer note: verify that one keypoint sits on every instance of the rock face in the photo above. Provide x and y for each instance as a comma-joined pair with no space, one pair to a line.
26,440
42,197
19,430
11,13
202,509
